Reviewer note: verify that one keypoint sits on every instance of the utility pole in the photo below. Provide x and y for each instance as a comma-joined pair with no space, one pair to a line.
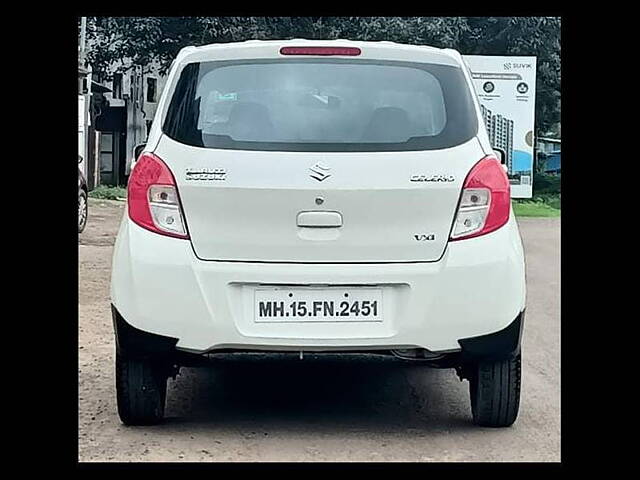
86,120
83,37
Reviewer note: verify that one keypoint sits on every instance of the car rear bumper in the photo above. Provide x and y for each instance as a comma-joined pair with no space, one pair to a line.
160,287
135,343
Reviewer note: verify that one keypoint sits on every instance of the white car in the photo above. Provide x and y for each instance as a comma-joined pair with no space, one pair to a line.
319,196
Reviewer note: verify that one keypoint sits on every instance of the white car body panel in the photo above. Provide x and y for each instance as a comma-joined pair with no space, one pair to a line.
160,286
251,215
244,234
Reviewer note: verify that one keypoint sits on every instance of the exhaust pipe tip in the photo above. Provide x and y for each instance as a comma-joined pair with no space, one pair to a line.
416,354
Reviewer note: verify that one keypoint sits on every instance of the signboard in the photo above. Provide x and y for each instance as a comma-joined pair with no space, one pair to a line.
84,122
506,89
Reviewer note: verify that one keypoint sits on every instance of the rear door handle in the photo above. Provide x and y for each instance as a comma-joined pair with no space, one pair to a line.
319,219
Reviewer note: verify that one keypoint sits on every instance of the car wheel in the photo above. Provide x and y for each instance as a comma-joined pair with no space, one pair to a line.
83,210
141,390
495,392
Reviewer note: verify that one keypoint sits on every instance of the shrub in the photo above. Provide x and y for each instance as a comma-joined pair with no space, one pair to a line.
107,192
546,184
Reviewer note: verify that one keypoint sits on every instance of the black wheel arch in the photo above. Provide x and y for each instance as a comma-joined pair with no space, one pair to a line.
501,345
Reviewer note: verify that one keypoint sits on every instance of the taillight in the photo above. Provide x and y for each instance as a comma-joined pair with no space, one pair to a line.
348,51
153,198
485,202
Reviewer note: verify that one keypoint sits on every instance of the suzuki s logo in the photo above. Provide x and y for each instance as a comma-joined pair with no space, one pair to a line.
320,172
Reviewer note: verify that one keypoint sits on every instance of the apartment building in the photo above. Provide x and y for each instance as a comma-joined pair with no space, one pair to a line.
500,130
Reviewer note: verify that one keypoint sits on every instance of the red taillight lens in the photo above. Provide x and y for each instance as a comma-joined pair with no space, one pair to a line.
485,202
350,51
152,196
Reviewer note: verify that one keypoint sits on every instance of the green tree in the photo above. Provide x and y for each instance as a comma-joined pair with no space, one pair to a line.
121,42
539,36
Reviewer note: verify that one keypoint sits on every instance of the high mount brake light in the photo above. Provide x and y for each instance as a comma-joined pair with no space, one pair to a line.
152,196
485,202
349,51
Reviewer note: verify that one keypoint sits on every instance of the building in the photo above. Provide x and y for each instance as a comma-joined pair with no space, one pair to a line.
553,163
90,94
126,112
548,145
500,130
548,151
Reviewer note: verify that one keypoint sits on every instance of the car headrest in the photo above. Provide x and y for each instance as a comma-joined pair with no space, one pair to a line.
250,121
388,124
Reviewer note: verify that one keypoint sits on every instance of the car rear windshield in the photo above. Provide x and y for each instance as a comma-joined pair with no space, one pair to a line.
321,105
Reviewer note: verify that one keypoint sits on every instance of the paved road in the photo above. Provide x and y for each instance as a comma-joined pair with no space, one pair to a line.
278,408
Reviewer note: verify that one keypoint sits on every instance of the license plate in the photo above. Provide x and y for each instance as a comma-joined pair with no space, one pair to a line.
318,305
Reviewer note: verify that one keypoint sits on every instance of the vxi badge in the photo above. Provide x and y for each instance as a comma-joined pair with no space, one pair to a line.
432,178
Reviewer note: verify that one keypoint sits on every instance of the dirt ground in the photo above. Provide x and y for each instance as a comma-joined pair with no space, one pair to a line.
278,408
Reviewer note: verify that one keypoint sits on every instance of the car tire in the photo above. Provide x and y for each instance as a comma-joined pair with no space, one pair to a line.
83,210
141,390
494,387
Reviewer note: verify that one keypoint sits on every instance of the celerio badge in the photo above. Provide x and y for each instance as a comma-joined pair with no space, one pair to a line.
432,178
